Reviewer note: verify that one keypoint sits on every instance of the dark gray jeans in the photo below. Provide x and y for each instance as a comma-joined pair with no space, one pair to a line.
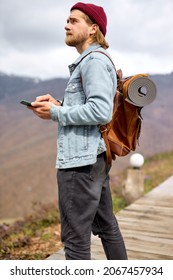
85,205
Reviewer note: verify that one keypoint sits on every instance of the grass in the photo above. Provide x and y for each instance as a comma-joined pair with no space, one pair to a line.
38,236
157,169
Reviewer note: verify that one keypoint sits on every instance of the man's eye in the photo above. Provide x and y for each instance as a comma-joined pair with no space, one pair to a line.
73,20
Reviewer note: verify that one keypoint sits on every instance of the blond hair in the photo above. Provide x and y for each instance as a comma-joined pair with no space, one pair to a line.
98,36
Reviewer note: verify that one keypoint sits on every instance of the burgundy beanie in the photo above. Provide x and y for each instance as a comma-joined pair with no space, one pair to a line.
95,13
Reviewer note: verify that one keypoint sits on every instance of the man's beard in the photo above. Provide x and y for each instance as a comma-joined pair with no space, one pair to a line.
73,41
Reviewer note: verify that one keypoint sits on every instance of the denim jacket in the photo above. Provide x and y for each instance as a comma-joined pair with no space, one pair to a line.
88,102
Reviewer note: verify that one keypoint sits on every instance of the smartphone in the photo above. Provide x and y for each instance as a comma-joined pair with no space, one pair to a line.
27,103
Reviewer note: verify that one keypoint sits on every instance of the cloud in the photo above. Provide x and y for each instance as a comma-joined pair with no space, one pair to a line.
142,26
32,36
31,25
50,64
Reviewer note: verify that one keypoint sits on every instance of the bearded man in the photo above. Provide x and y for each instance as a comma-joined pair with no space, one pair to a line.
85,201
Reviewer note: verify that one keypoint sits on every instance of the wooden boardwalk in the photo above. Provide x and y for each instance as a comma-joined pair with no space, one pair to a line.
146,225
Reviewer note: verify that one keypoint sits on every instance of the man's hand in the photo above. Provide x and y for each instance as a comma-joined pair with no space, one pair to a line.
48,98
41,106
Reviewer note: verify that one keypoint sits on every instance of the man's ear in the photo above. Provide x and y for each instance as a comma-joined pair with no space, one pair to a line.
93,28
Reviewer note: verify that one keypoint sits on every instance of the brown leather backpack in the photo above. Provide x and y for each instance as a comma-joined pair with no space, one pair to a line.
121,134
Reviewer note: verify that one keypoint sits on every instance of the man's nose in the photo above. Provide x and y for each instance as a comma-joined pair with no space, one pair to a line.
67,27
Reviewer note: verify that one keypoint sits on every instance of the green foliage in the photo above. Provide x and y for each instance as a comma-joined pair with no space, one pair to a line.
118,203
46,236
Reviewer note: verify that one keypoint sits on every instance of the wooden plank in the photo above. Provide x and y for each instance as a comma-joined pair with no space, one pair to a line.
162,226
163,235
141,220
134,255
148,238
148,215
154,209
153,202
149,247
132,226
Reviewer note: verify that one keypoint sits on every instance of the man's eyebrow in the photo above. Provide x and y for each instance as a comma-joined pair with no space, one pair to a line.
71,18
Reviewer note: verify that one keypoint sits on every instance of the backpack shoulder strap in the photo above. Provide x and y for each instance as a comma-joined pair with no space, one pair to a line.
109,59
107,56
119,72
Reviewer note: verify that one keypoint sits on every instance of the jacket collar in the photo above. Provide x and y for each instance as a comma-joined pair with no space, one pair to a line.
91,48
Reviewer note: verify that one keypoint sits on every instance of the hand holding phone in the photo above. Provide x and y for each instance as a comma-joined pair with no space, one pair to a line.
27,103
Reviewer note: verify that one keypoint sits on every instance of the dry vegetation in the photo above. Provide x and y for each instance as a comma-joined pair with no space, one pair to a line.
38,236
35,237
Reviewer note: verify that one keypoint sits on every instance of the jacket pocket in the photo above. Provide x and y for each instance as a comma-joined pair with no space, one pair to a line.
74,93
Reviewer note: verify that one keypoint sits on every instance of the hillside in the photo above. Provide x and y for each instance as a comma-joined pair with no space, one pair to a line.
28,144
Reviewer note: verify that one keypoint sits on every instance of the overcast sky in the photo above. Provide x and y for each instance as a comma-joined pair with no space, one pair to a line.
32,34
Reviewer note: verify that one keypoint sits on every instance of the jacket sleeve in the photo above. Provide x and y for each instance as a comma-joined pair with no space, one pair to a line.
99,88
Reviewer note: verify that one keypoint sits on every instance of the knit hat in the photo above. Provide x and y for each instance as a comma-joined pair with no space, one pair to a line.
95,13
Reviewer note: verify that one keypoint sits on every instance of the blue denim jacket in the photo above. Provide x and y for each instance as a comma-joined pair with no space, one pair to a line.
88,102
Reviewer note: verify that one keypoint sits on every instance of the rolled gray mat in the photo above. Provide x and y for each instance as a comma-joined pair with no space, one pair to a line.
141,91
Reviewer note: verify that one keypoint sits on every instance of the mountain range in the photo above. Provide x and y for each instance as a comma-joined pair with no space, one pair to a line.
28,144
